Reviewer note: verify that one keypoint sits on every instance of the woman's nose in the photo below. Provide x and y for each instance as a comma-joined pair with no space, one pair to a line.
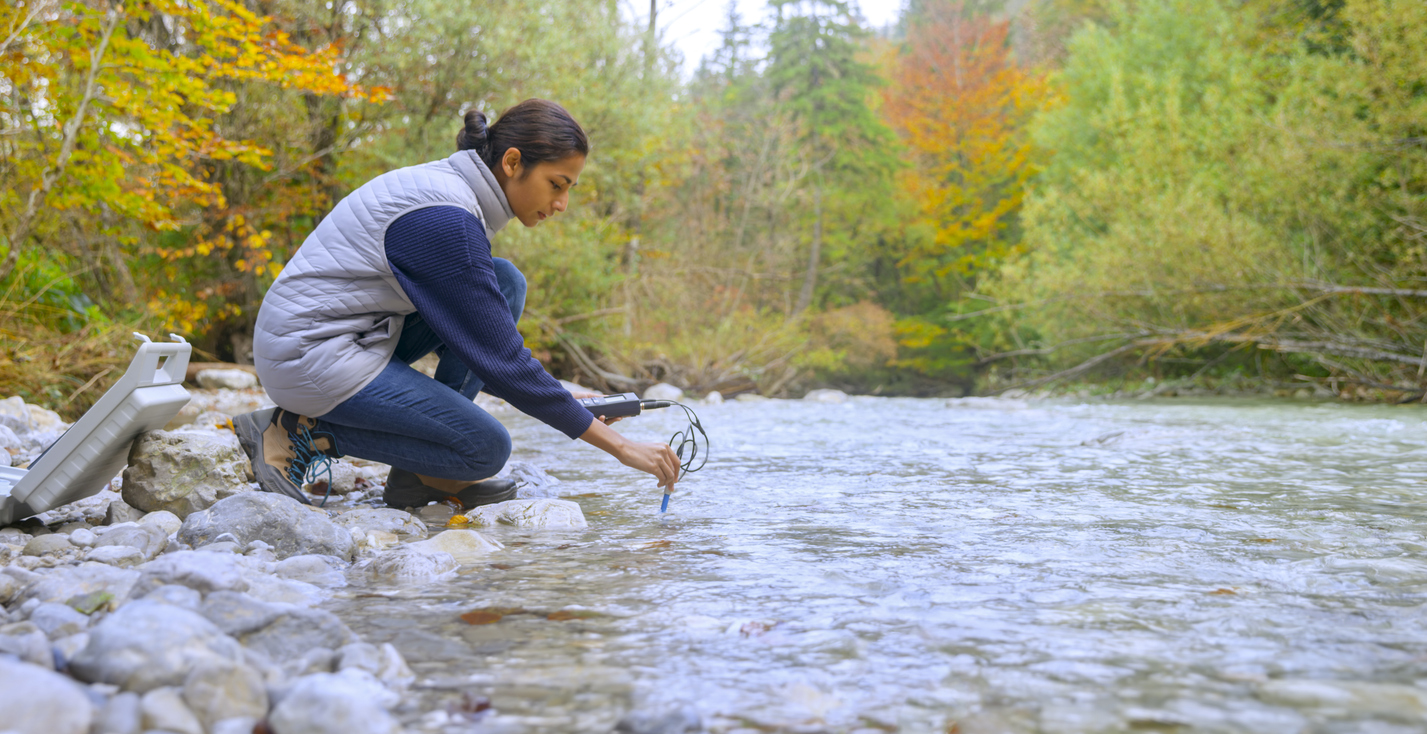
562,201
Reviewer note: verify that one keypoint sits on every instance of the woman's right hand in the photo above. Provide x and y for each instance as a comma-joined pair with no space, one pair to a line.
655,458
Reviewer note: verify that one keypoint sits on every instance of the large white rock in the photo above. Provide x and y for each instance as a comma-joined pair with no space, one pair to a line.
34,700
531,513
466,546
409,564
663,391
350,702
184,471
289,527
219,379
384,519
826,395
148,644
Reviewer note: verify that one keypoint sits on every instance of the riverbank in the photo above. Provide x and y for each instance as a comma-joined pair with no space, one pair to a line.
182,599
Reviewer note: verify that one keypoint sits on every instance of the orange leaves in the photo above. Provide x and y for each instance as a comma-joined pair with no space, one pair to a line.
962,105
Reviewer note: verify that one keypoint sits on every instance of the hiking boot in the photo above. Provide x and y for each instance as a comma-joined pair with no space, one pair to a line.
407,489
282,448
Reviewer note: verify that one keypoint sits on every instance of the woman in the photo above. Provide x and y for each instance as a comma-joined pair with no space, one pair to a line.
403,267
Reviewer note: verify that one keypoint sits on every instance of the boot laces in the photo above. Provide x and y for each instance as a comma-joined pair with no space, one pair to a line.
308,460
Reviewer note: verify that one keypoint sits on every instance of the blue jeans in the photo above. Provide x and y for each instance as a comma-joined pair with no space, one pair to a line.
424,425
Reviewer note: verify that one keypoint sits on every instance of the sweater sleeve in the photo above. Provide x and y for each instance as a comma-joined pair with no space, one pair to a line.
442,259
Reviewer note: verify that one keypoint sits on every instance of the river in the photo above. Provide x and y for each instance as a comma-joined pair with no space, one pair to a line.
895,564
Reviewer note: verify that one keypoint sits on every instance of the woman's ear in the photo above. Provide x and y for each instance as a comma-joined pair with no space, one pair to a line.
510,162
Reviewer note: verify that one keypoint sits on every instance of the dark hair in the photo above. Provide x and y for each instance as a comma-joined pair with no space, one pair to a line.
540,129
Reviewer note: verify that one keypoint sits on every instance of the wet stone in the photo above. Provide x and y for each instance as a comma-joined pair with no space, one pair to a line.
384,519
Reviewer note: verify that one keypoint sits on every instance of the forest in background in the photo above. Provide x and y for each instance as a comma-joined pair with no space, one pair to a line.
989,196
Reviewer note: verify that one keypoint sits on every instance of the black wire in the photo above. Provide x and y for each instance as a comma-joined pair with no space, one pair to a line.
687,438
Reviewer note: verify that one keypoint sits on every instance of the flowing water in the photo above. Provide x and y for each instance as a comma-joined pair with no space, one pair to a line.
899,565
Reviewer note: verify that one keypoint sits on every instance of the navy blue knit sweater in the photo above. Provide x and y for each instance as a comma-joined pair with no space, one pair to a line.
442,259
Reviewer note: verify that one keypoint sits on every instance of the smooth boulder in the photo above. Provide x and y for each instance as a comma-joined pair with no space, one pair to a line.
148,644
184,472
289,527
39,701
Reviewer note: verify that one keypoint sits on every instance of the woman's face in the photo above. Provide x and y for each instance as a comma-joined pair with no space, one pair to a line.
539,192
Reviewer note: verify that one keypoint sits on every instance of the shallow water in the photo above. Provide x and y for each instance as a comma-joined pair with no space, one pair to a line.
897,565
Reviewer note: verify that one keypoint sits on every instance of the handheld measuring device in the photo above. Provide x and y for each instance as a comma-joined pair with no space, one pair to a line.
628,405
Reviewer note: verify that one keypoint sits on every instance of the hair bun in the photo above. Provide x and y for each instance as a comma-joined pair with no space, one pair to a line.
473,135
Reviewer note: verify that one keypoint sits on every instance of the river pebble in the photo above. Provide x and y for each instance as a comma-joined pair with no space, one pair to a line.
163,709
216,691
34,699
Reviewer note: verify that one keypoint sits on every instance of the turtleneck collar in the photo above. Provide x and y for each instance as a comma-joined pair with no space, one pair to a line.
494,206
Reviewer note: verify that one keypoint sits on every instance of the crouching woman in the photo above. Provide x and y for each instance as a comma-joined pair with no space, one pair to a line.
402,267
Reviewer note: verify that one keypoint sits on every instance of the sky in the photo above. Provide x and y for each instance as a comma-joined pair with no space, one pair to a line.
692,26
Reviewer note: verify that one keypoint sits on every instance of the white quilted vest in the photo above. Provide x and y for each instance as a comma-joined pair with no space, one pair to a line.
330,322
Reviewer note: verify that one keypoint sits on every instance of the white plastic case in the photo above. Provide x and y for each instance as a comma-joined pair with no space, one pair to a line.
96,447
